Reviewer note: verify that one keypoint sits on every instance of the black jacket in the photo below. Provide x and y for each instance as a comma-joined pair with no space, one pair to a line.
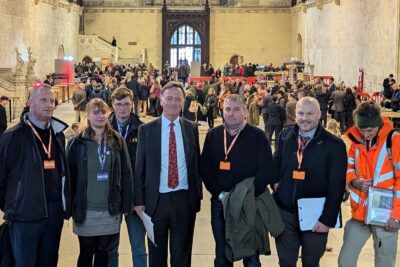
276,114
22,195
120,191
148,164
131,137
324,162
134,86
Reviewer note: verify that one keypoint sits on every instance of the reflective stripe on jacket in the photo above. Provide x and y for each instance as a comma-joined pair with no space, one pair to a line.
383,172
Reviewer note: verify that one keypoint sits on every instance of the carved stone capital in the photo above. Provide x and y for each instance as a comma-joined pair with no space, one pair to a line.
55,4
319,4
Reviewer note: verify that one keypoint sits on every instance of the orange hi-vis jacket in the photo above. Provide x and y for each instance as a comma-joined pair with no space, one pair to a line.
373,165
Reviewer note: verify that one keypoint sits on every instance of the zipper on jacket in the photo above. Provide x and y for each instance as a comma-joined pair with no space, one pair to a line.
42,172
62,174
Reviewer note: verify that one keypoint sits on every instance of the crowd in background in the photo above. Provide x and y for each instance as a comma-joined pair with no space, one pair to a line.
204,101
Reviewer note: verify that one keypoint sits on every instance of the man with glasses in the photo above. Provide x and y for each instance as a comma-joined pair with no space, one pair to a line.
124,121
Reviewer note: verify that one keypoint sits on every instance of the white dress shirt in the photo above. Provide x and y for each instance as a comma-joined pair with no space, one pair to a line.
180,152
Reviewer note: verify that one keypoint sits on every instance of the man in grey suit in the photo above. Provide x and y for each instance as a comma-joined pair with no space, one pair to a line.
167,183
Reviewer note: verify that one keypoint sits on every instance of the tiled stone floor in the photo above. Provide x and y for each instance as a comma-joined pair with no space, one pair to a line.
203,248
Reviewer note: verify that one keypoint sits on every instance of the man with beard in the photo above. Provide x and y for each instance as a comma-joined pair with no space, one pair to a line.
311,163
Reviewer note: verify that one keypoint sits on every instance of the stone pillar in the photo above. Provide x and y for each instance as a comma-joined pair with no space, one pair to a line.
21,94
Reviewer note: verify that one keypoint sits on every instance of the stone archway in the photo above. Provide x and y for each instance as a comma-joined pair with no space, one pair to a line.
87,59
234,60
198,20
299,47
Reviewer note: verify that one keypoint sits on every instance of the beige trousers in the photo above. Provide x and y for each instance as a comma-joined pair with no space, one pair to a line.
355,236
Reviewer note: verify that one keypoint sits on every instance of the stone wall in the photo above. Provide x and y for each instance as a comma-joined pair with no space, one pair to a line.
259,36
43,26
134,29
339,39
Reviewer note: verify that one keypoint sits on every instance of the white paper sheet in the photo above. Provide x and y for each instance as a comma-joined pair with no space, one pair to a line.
310,209
149,226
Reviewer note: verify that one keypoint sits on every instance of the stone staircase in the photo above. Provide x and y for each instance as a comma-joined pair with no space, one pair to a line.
95,46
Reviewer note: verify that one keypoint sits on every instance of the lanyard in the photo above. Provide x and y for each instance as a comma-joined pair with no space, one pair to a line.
227,151
300,150
101,151
48,149
121,129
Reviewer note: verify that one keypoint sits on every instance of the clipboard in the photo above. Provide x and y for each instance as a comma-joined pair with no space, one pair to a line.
309,211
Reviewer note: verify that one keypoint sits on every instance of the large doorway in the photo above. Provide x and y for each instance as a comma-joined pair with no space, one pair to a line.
185,46
185,35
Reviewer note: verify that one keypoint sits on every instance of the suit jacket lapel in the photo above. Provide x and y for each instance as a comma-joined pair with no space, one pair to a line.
186,138
156,139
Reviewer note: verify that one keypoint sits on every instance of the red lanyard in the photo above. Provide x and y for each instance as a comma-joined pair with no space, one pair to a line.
300,152
227,151
46,150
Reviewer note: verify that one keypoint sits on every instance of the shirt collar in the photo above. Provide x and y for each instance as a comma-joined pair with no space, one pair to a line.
310,134
165,122
37,123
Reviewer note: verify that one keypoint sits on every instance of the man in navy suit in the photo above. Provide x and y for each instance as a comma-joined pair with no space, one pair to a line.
167,182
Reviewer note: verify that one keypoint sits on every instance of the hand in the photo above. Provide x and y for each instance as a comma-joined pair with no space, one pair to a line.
320,228
139,210
361,184
392,226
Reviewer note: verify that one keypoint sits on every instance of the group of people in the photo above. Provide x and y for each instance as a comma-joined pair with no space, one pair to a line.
117,167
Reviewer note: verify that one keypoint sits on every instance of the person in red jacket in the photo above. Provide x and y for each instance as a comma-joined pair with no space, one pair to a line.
369,166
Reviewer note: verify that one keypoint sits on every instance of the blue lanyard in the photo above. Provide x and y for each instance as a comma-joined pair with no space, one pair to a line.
120,130
101,151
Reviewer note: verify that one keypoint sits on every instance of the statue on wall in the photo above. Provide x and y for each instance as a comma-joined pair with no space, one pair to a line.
20,61
31,61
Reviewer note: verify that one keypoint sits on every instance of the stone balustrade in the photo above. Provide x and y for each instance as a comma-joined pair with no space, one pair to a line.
143,3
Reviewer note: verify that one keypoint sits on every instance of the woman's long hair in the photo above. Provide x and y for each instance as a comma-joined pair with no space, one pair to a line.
112,137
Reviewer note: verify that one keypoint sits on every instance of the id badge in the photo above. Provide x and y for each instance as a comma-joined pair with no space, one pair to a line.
49,164
101,176
224,165
299,175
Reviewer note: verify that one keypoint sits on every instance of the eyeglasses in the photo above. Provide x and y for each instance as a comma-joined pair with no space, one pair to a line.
125,105
97,112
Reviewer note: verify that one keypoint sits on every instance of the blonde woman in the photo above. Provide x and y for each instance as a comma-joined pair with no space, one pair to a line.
101,184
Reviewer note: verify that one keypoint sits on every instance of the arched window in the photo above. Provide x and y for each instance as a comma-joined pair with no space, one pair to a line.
185,46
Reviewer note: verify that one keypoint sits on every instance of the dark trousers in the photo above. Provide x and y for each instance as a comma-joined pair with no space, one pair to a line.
153,108
265,119
341,118
136,104
210,118
218,228
174,218
349,119
289,242
36,243
274,128
97,247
